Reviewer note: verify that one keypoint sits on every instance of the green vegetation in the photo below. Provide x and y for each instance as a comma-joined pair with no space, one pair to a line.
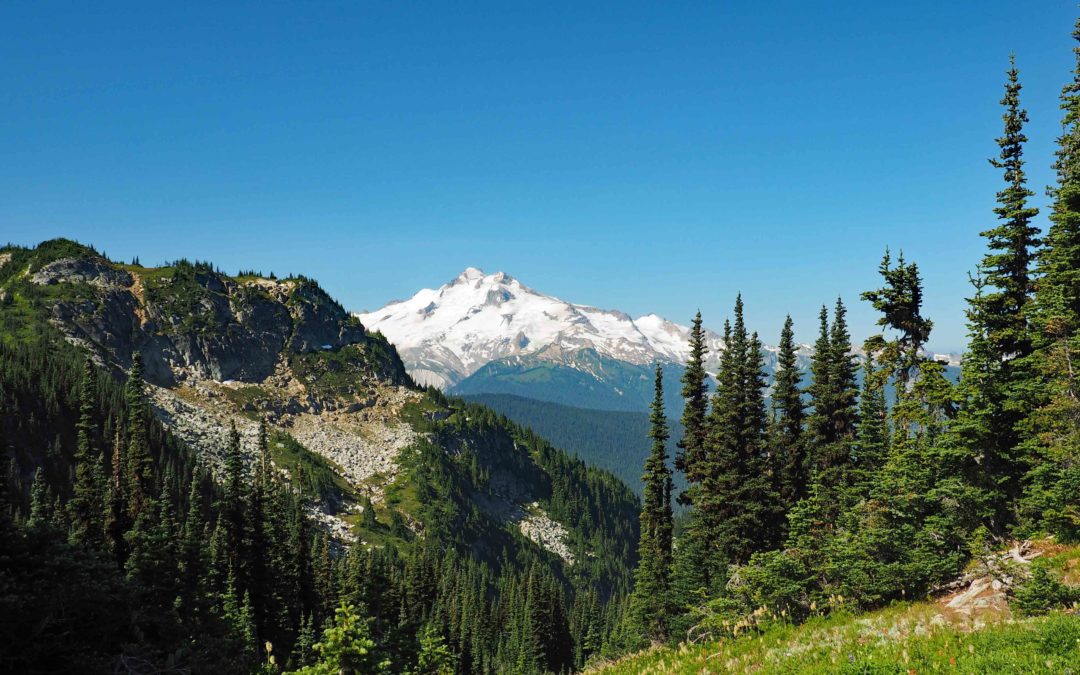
228,573
851,499
900,639
595,382
617,441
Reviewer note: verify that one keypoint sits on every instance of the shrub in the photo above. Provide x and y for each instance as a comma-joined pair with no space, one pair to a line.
1042,592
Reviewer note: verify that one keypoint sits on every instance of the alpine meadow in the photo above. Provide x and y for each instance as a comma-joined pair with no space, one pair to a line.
208,471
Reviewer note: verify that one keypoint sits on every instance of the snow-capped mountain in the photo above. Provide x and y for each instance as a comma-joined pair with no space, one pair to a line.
491,334
448,333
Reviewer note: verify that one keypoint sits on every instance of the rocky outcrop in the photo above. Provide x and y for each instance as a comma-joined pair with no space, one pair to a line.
222,351
201,426
547,533
361,454
190,322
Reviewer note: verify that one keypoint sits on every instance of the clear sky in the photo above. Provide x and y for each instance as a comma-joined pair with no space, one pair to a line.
650,157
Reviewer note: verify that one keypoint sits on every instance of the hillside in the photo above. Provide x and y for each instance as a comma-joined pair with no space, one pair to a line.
615,441
382,465
978,629
902,639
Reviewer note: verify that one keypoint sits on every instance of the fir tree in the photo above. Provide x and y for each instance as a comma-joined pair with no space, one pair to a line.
117,513
87,501
1012,244
652,580
995,369
695,409
833,397
1053,430
872,440
140,467
900,303
41,503
234,511
786,445
737,502
691,573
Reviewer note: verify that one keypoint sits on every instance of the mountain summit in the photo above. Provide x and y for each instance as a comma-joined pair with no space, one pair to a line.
448,333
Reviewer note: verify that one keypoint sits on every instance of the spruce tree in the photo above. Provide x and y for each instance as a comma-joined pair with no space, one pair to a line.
1052,432
140,467
695,409
87,500
786,445
985,439
737,501
117,518
652,579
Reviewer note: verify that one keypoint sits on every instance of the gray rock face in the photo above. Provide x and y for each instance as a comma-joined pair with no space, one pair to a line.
95,272
195,322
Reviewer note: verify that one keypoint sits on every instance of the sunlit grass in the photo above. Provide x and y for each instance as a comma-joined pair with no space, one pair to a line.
906,638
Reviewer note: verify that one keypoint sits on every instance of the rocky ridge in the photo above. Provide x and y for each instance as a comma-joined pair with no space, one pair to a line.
223,351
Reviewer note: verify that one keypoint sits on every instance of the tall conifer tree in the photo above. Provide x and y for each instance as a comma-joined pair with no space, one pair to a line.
786,445
738,503
87,501
695,408
652,579
140,467
1053,430
984,447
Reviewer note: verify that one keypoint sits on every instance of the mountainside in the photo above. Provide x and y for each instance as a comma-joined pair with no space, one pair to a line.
386,464
489,333
617,441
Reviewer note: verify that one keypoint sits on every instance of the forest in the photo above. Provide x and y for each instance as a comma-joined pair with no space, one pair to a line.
840,497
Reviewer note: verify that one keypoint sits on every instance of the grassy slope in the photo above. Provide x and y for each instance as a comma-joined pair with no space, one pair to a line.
911,637
900,639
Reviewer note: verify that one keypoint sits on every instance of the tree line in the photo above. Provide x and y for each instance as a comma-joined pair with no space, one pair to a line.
847,495
123,553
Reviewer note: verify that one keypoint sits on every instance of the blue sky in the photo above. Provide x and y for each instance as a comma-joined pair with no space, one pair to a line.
641,156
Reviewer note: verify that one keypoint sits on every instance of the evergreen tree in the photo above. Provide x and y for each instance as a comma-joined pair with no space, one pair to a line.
872,440
984,448
695,409
833,421
87,500
817,423
117,514
140,467
347,648
434,657
786,445
41,503
737,502
691,575
1052,432
1012,244
900,303
234,511
652,580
